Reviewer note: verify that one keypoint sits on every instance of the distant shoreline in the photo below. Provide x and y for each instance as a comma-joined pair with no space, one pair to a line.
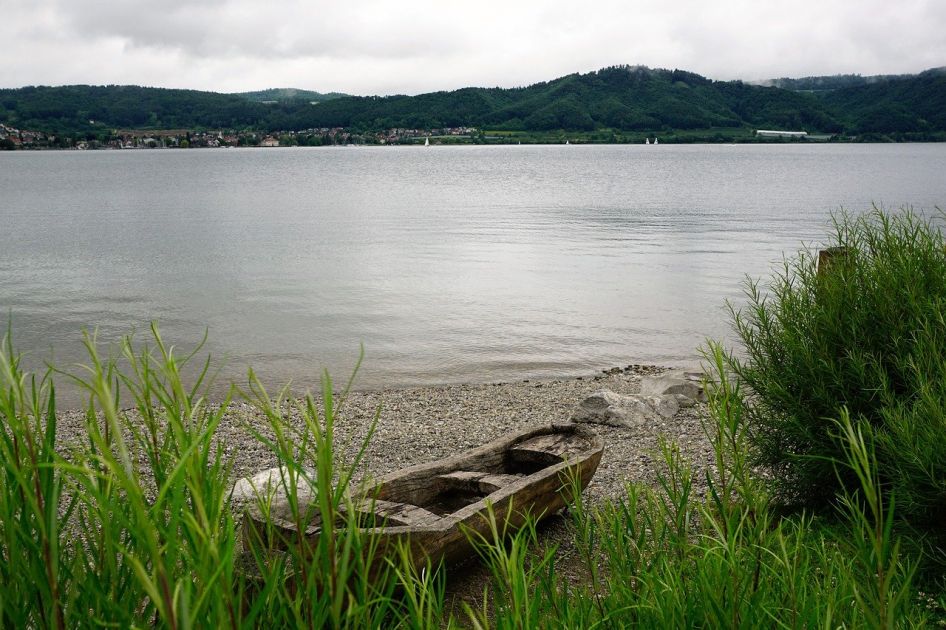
576,142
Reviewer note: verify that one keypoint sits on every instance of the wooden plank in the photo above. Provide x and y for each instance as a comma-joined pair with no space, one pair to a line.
477,480
831,256
401,513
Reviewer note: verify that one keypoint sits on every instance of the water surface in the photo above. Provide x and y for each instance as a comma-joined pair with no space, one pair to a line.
449,264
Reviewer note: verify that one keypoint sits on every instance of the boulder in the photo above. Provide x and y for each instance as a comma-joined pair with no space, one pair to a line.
269,484
675,382
684,402
617,410
663,406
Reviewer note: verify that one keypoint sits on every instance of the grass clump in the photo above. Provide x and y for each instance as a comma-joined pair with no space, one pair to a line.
132,526
123,546
866,334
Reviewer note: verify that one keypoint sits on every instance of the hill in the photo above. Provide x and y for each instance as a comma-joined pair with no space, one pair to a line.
621,98
893,106
830,82
77,109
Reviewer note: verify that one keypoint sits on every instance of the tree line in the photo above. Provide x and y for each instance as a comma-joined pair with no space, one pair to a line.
624,98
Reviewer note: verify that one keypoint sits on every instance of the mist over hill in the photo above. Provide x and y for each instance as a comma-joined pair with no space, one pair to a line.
278,95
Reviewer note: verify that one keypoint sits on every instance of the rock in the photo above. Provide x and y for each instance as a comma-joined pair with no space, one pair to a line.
663,406
688,384
269,483
617,410
604,407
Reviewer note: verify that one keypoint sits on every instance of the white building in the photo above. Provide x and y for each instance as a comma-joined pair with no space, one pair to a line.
781,134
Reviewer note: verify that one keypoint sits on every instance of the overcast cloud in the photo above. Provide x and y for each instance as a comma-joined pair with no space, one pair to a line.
413,46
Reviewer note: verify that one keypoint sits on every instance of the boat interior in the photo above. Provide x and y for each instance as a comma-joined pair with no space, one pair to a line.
428,495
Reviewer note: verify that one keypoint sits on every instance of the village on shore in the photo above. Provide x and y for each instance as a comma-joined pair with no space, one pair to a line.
13,138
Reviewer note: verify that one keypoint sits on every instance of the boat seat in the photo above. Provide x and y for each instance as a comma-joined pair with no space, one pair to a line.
401,513
548,449
477,481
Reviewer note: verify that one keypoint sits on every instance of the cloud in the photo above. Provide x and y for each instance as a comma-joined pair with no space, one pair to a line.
281,30
374,46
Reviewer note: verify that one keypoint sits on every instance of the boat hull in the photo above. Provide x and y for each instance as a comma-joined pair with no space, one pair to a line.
435,509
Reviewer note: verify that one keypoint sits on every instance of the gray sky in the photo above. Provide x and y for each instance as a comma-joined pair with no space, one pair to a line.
413,46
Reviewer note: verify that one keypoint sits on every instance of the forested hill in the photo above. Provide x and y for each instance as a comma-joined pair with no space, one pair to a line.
917,104
619,98
627,98
833,82
81,108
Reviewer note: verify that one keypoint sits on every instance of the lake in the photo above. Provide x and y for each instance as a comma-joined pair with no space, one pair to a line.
450,264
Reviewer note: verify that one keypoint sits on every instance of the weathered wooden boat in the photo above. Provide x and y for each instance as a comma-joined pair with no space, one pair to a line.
433,508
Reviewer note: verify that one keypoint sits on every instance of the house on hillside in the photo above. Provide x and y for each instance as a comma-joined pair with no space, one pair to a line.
269,141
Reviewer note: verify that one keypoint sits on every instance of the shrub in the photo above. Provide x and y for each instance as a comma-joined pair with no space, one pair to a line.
867,335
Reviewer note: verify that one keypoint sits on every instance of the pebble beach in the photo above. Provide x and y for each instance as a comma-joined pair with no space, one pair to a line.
418,425
421,424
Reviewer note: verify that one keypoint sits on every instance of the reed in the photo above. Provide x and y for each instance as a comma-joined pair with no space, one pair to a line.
134,526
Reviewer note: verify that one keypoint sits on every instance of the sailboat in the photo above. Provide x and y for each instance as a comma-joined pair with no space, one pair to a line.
655,141
646,140
426,142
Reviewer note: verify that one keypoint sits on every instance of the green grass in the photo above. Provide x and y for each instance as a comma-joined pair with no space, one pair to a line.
133,528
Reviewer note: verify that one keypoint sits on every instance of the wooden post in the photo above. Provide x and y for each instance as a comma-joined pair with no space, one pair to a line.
827,257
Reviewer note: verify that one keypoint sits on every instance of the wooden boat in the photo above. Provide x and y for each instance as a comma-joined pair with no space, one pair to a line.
434,507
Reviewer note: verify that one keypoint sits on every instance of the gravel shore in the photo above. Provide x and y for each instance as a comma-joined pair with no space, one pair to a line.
422,424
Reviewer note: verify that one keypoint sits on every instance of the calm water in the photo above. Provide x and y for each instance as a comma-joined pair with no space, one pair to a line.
448,264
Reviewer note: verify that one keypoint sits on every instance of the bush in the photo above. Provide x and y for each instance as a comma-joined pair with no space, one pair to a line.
867,335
